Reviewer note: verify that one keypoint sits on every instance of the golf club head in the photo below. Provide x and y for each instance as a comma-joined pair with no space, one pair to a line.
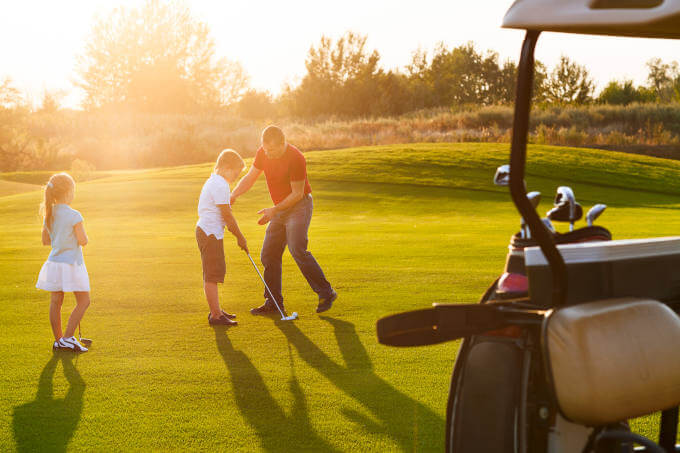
502,177
291,317
565,194
561,213
87,342
595,212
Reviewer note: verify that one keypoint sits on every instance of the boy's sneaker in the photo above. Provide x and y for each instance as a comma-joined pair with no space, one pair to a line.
325,303
56,346
224,313
221,321
72,344
266,308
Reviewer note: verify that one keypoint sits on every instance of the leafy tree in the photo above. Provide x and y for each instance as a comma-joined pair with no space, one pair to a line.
540,81
664,79
256,105
569,83
342,79
456,75
9,96
51,101
156,58
419,84
14,140
464,75
624,93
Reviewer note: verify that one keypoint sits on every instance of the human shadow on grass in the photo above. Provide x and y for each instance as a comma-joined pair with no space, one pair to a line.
277,430
412,425
48,423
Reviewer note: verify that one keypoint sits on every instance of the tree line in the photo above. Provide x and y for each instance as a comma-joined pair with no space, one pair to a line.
159,59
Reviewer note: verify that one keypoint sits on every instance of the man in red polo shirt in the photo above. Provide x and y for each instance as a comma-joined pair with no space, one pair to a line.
285,169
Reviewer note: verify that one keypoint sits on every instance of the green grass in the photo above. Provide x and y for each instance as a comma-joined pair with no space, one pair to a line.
395,228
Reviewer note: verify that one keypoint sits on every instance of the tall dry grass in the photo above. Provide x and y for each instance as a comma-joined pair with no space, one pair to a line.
134,140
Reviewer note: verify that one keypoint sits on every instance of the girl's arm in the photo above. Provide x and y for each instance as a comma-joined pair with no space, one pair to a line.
81,236
46,236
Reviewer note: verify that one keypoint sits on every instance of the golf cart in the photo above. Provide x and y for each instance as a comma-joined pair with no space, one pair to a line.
595,339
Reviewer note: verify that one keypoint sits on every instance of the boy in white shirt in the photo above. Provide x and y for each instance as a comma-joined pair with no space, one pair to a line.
214,213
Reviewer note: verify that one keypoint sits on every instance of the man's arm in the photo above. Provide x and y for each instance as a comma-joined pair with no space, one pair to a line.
232,226
246,183
296,194
46,236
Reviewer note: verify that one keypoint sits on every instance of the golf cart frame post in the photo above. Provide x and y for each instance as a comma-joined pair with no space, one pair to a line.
520,131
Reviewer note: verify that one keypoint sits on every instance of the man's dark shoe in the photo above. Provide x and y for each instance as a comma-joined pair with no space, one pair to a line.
221,321
325,303
266,308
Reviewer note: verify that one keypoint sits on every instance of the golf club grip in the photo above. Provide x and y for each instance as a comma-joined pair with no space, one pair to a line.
438,324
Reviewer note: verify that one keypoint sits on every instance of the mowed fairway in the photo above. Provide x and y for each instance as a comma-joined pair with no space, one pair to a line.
395,228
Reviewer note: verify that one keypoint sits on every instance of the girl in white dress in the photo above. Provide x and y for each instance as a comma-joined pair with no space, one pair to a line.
64,270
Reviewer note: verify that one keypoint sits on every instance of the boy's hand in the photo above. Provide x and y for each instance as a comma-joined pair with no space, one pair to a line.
267,214
232,200
243,244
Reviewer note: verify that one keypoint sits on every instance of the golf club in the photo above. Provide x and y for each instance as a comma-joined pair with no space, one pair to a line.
534,199
283,315
595,212
502,176
565,194
87,342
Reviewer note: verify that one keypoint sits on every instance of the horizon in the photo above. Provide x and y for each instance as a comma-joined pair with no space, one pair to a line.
58,35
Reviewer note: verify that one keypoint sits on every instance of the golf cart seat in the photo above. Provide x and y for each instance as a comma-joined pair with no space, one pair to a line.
613,359
641,18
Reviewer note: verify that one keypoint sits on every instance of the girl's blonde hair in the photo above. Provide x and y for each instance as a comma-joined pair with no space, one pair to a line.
59,187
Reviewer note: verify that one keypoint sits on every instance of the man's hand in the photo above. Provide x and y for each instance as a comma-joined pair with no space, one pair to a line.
267,214
241,241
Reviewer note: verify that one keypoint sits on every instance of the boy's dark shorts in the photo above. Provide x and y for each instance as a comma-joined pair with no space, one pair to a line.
212,257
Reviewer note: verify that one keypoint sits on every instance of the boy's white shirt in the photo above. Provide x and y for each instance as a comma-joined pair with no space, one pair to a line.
215,192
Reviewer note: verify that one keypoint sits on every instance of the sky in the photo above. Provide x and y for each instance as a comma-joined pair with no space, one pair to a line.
42,39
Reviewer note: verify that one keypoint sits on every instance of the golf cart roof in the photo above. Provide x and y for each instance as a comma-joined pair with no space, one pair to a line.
637,18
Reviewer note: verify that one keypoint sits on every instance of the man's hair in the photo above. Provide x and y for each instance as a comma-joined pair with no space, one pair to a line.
229,159
273,135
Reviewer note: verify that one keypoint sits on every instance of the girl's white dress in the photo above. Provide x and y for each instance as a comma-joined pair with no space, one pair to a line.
64,269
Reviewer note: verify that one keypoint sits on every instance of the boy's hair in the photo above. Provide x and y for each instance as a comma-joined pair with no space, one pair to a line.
274,135
229,159
58,187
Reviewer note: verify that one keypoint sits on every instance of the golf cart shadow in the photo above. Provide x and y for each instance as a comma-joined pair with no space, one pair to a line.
48,423
399,416
259,408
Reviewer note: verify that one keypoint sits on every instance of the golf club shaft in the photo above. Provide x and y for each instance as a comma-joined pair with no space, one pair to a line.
265,285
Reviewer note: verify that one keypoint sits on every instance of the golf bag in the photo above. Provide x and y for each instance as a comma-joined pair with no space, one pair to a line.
492,373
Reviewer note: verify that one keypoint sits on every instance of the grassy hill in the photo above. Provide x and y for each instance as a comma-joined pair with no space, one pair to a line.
395,228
